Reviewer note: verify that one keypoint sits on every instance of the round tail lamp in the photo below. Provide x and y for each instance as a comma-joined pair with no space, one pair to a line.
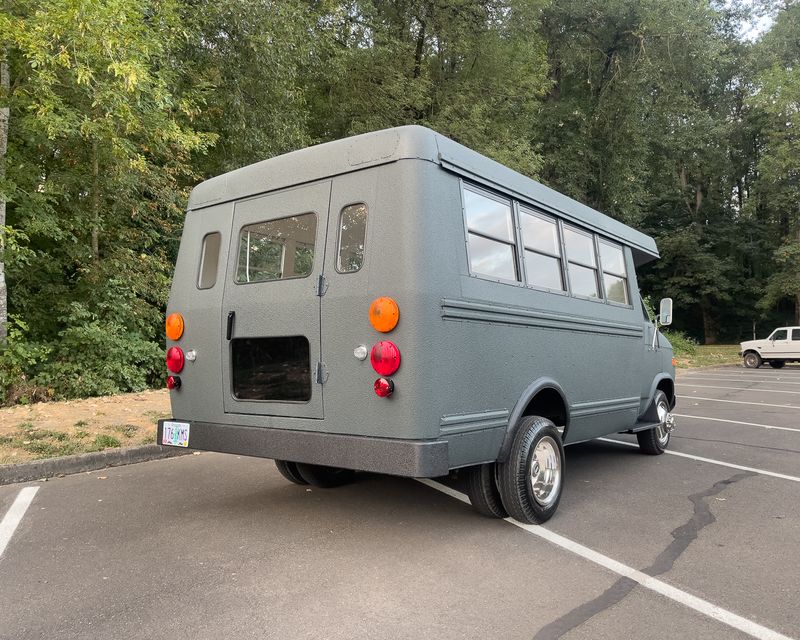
385,358
174,326
384,387
173,382
384,314
175,359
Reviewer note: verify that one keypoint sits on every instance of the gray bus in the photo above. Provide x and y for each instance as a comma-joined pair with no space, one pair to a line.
397,303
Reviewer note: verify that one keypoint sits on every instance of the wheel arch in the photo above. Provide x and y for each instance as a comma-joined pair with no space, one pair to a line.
543,397
662,382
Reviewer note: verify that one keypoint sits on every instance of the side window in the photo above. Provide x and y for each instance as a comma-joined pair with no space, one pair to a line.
542,250
795,334
277,249
780,334
209,260
581,262
615,276
352,234
490,236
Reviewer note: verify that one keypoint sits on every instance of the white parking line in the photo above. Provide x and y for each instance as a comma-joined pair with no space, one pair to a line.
720,463
749,424
654,584
14,516
757,404
732,379
708,386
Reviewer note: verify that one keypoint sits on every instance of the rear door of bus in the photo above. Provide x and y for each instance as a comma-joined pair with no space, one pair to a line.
271,311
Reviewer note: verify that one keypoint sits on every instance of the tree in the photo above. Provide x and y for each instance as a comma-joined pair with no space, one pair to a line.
101,147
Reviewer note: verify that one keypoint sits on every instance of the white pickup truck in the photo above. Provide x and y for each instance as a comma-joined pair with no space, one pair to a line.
782,346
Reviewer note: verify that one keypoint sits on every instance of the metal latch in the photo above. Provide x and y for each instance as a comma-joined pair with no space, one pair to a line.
322,285
321,374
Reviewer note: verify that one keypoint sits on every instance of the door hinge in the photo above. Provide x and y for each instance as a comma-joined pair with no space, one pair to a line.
321,374
322,286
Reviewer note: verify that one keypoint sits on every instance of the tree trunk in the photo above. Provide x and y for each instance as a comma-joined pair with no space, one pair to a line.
5,85
95,204
709,325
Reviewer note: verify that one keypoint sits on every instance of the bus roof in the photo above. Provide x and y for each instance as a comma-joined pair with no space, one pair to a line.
410,142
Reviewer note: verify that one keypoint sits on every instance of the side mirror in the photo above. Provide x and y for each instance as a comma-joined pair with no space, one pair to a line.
665,312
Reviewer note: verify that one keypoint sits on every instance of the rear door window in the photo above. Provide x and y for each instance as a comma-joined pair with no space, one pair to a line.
795,334
277,249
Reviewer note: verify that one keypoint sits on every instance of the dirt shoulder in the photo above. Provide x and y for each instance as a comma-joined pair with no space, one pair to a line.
50,429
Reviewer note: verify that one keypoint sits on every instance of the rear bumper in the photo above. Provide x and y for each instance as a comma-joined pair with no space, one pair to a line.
412,458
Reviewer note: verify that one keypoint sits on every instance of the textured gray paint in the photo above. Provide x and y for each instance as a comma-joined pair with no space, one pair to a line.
470,346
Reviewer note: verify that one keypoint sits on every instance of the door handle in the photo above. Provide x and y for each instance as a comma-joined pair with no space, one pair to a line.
229,330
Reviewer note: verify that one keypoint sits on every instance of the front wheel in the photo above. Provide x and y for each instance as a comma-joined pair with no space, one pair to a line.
655,441
532,479
752,360
776,364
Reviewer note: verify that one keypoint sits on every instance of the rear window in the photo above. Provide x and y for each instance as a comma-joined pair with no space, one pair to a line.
352,233
277,249
209,259
271,368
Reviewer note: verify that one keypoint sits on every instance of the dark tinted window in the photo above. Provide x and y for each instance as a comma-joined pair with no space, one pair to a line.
795,334
781,334
271,368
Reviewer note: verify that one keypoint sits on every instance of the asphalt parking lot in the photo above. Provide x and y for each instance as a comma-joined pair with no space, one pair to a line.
703,542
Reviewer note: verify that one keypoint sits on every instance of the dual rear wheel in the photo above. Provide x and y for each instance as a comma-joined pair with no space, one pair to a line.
314,474
528,485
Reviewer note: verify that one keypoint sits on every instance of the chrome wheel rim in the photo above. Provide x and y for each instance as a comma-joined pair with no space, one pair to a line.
666,423
545,471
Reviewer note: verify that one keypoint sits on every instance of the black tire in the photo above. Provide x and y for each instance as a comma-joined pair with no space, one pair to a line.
536,441
777,364
752,360
324,477
655,441
483,492
289,471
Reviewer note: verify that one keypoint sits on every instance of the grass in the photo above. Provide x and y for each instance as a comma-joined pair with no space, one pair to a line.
46,443
709,356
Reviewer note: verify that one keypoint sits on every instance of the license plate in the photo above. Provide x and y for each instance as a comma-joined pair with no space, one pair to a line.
175,434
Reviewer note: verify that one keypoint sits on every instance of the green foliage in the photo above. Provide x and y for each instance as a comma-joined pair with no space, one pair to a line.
656,112
682,345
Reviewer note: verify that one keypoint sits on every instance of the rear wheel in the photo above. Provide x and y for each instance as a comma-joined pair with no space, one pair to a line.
655,441
752,360
483,492
324,477
532,479
777,364
289,471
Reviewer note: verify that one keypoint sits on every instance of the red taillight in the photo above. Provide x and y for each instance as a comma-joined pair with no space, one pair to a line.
385,358
175,359
384,387
173,382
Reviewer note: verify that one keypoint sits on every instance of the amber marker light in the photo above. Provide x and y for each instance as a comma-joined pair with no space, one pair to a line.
174,326
674,362
384,314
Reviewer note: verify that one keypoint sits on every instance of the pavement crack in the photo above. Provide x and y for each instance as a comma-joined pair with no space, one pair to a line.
682,536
